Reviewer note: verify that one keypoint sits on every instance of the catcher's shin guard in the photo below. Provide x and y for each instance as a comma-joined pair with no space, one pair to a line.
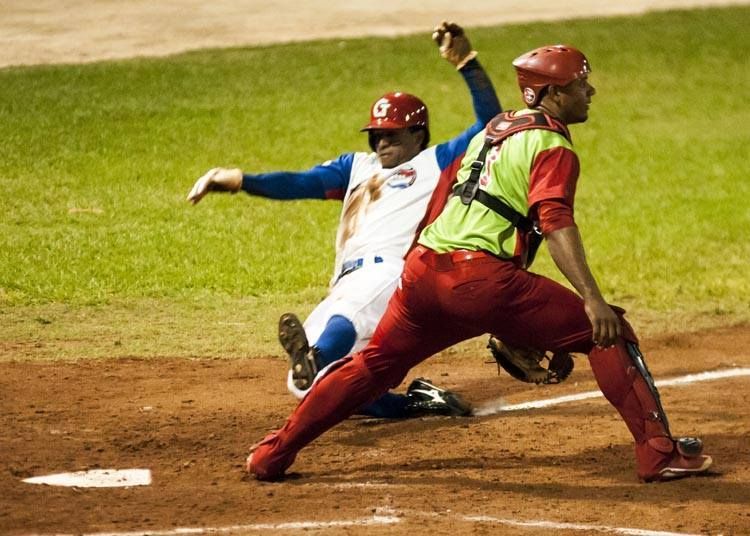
640,364
347,386
625,381
626,387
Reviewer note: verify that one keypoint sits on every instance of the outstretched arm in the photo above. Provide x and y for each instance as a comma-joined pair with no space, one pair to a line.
326,181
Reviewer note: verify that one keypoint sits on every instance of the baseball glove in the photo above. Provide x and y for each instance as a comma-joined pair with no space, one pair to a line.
529,365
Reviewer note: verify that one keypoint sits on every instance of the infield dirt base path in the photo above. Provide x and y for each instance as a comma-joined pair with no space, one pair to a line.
190,421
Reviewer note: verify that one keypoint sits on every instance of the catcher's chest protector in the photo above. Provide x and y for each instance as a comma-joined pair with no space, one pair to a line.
498,129
509,123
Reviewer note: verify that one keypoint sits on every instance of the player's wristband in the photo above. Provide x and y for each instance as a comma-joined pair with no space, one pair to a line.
470,56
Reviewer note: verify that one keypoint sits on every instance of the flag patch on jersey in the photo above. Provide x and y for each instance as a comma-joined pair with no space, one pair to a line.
403,178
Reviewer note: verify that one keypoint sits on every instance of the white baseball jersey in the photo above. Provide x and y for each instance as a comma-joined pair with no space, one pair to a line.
384,207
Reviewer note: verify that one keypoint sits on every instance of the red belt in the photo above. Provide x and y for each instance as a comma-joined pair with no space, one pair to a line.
446,261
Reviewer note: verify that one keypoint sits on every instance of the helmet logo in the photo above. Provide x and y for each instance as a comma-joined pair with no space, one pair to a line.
529,95
380,108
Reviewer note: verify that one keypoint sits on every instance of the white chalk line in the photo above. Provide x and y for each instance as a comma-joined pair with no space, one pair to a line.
500,406
387,517
353,485
292,525
574,526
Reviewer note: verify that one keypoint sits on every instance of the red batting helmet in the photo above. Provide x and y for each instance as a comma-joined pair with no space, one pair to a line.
554,65
397,110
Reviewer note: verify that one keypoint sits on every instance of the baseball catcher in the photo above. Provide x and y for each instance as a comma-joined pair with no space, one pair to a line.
468,275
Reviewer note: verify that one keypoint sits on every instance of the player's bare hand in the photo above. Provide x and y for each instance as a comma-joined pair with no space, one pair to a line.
604,322
453,43
216,180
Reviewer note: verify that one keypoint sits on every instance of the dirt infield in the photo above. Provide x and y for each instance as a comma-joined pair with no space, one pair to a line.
189,421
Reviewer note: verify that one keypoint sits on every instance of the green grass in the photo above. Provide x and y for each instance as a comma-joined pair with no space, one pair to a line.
100,255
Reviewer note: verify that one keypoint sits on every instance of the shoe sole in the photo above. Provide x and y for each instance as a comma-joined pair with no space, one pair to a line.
294,340
674,473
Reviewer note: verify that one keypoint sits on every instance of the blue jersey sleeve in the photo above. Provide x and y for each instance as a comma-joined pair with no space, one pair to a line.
325,181
486,106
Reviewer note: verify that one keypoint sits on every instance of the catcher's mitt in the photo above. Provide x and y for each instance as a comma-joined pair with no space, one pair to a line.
529,365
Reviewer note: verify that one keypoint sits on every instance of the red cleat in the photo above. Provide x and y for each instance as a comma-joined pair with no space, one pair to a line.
680,459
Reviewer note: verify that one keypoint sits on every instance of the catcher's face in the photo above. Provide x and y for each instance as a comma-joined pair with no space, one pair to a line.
394,147
574,99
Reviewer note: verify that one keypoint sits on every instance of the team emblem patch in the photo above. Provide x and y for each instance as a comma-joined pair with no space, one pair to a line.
403,178
529,95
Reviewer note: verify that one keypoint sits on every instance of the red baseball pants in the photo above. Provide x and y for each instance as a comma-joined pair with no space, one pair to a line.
447,298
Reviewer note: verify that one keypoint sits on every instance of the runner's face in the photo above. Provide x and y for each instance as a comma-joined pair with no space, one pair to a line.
394,147
574,100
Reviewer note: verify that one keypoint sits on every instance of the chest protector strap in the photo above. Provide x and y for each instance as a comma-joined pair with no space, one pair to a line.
498,129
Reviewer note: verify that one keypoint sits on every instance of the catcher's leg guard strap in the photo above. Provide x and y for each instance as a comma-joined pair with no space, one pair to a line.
637,357
626,388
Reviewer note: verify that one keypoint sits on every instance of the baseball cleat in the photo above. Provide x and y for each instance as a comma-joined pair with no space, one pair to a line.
680,467
302,360
687,460
428,399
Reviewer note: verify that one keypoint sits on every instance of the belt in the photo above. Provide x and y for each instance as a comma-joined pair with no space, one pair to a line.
464,255
355,264
446,261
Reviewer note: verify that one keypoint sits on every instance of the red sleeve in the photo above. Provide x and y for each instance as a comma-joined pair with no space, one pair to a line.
553,214
553,176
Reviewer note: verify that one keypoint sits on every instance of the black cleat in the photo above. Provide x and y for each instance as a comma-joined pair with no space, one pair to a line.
302,359
428,399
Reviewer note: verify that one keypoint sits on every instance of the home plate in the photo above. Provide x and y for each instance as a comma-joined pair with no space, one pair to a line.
96,478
